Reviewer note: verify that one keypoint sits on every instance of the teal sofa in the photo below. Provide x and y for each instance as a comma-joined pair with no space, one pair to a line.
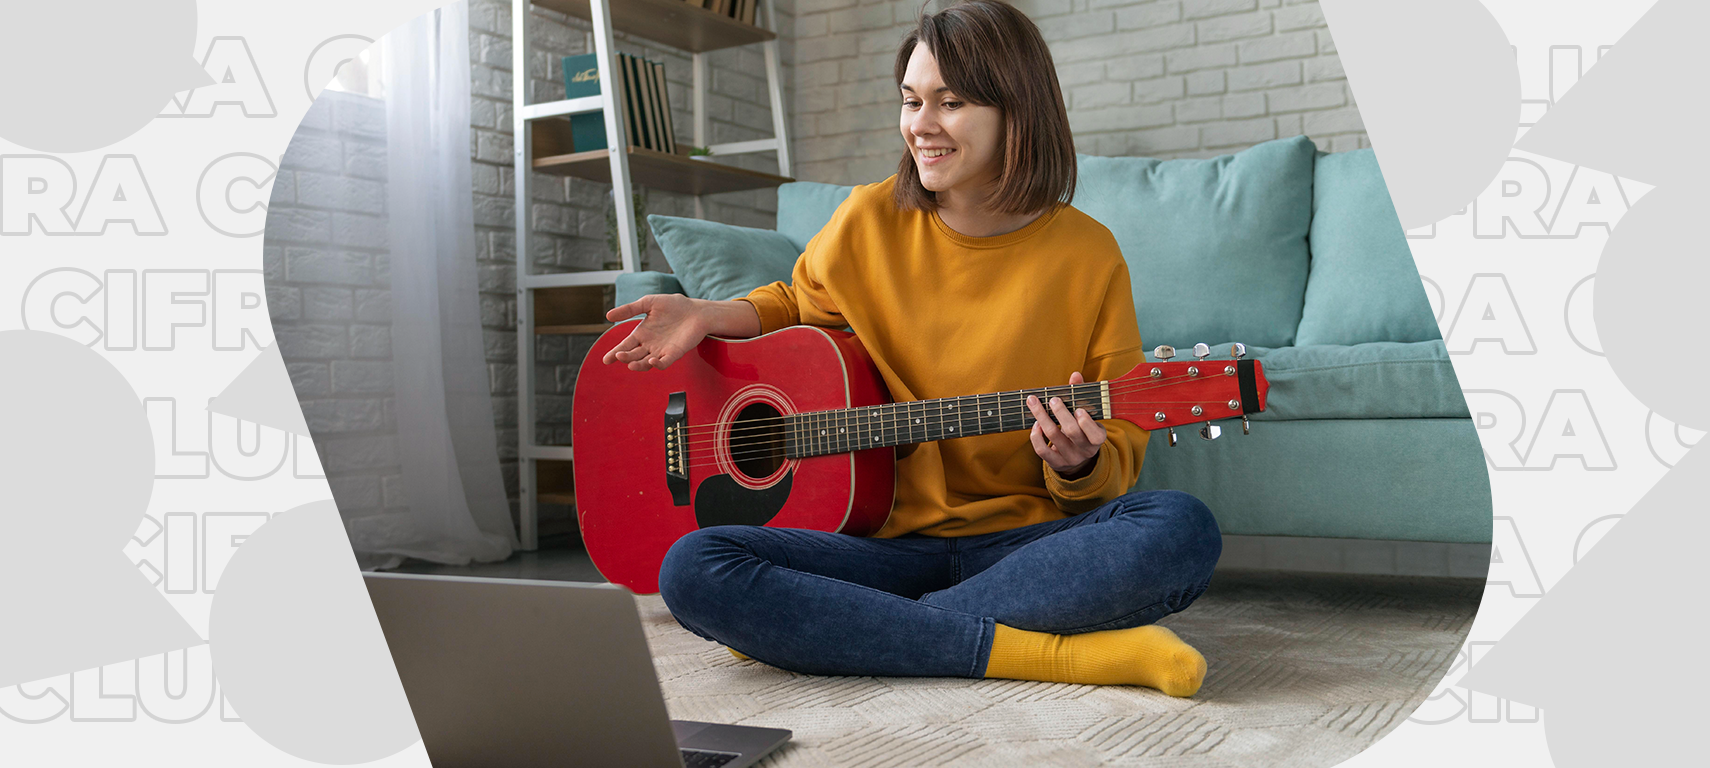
1294,252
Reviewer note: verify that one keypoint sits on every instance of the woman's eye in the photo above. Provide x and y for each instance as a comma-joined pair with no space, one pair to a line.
910,103
952,104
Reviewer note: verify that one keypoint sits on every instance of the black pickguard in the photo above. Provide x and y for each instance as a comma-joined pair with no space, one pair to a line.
720,500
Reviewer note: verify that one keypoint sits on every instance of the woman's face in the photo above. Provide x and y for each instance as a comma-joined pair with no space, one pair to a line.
936,119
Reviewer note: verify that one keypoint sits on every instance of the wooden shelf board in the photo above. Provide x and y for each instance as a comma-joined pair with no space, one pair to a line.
657,170
568,498
572,329
672,22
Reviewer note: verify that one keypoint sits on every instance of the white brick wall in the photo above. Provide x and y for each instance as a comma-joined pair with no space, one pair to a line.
329,293
1154,78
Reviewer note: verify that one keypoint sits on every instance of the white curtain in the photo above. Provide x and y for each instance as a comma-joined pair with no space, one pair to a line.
457,511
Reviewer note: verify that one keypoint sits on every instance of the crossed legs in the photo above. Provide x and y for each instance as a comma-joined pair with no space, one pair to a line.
829,604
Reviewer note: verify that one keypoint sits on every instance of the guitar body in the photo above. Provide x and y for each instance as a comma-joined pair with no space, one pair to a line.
729,395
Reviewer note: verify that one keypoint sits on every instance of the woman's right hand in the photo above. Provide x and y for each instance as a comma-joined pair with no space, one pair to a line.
674,325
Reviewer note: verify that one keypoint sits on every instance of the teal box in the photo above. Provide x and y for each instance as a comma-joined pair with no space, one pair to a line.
582,78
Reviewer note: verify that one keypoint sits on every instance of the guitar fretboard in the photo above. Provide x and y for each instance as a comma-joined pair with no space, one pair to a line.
919,421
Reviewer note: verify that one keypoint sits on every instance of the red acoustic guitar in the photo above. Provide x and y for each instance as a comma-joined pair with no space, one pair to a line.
795,429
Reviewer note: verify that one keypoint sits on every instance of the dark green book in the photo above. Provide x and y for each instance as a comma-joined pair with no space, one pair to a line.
582,78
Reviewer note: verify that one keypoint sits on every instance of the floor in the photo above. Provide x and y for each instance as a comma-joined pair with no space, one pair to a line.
1306,669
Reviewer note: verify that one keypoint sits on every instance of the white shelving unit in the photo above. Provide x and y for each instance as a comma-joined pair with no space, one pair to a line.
573,303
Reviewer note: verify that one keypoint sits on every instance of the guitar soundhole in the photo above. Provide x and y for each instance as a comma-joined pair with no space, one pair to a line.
757,441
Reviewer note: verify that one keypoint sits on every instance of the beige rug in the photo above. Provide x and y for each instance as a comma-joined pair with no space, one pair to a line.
1305,670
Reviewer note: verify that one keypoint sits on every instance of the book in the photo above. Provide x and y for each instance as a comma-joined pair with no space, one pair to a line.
667,129
633,101
588,130
657,91
582,78
644,108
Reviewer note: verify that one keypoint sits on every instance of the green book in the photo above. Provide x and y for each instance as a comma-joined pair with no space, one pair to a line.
582,78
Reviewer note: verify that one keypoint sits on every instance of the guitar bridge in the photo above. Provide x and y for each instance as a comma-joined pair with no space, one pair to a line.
677,448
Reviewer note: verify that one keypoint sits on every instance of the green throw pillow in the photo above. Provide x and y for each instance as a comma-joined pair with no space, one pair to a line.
722,262
1216,247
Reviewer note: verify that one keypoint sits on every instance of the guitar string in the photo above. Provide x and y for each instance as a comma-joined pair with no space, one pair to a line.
769,446
904,428
1004,411
1117,387
750,445
927,423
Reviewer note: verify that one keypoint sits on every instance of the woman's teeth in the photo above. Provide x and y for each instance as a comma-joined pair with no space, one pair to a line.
936,152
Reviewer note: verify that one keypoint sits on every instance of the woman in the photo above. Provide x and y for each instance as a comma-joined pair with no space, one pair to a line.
1006,555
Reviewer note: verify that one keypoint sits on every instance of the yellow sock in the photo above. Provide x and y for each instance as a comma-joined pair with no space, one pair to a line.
1152,656
738,654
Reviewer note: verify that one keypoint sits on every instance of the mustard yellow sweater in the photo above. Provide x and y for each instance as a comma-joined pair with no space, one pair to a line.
944,314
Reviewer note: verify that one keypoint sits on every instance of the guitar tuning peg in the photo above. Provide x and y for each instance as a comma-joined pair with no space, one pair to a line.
1201,351
1172,432
1163,352
1244,429
1237,350
1210,431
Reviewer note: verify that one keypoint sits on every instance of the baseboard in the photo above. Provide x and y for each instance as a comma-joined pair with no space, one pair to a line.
1390,558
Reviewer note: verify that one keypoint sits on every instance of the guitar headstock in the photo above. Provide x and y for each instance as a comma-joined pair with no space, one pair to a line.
1167,394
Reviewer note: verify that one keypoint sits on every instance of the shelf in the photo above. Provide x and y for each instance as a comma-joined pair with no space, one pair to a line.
672,22
575,303
657,170
649,168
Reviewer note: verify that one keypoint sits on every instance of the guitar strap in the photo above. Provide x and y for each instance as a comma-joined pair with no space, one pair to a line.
1249,386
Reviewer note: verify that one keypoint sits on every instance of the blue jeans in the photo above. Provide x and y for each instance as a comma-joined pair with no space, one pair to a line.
830,604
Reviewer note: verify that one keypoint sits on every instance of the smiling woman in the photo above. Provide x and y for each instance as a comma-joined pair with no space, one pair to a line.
989,148
1017,554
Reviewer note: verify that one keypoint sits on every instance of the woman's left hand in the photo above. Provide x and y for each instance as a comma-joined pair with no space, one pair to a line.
1070,445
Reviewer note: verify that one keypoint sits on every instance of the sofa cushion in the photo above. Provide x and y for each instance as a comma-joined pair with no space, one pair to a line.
634,285
1380,380
1217,247
805,207
1410,479
1364,285
719,261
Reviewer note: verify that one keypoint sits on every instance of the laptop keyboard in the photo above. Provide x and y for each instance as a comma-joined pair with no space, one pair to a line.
700,758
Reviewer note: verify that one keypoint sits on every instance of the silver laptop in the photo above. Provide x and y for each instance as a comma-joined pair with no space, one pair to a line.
514,673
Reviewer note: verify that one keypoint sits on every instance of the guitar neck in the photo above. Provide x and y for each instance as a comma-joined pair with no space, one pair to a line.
820,433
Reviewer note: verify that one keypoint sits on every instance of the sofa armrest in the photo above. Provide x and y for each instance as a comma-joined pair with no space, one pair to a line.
635,285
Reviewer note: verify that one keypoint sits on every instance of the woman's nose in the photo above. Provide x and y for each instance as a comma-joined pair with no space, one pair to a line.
923,123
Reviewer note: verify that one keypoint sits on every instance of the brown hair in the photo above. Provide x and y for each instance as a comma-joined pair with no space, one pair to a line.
991,54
